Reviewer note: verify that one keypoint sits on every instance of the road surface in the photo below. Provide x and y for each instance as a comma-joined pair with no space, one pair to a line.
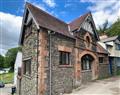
110,86
6,90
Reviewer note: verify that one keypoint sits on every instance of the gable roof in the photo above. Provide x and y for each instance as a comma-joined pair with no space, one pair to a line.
48,21
45,20
75,24
110,39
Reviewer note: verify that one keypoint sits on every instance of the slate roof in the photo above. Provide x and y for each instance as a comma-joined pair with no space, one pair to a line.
50,22
100,49
109,39
75,24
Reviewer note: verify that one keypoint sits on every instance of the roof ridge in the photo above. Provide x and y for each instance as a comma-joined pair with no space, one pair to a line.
27,4
86,14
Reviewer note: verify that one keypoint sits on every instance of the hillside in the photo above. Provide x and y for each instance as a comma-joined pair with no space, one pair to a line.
114,29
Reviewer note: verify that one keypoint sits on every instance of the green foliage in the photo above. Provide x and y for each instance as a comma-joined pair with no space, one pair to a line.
1,60
7,78
114,29
102,29
9,59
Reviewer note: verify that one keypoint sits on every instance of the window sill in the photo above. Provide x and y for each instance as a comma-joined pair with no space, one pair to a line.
65,66
103,63
27,76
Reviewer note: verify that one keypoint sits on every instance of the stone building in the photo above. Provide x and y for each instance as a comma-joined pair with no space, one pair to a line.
58,56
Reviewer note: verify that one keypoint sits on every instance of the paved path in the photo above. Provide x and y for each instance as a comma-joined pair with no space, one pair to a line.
6,90
110,86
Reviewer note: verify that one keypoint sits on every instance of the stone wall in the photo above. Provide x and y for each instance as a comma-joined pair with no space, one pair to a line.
104,70
80,41
29,49
62,76
86,76
104,67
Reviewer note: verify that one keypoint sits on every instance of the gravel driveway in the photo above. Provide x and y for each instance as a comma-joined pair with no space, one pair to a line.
110,86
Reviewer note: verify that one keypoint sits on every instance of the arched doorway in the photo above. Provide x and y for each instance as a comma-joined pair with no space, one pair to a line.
88,66
86,62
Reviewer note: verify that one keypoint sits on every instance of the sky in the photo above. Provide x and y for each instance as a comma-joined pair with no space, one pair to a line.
11,14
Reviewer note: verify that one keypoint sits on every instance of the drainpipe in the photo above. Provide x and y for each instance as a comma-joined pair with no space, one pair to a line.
50,57
37,93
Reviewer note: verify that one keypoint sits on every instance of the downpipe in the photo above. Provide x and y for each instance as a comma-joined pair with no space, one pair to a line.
37,93
50,33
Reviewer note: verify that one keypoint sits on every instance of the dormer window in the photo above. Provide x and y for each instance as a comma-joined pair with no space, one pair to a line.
117,46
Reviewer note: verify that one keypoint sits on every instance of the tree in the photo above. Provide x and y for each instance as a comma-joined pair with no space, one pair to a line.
1,61
102,29
114,29
10,57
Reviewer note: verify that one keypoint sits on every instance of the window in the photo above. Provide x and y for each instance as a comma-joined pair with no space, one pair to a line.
109,48
27,67
86,62
100,59
64,58
117,46
86,65
87,41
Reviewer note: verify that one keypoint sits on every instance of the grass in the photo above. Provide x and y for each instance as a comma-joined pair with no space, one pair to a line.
7,78
118,72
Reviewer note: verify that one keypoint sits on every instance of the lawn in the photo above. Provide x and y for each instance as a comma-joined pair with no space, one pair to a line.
118,72
7,78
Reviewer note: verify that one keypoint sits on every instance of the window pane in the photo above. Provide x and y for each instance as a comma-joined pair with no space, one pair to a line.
64,58
100,59
60,57
27,67
86,62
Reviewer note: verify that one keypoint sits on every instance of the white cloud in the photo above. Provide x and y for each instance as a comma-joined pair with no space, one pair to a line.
10,26
103,10
50,3
40,6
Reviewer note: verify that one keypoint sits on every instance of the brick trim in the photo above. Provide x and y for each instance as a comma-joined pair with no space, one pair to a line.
64,48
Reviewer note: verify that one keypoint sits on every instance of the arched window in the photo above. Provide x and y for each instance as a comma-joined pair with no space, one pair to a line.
87,41
86,62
